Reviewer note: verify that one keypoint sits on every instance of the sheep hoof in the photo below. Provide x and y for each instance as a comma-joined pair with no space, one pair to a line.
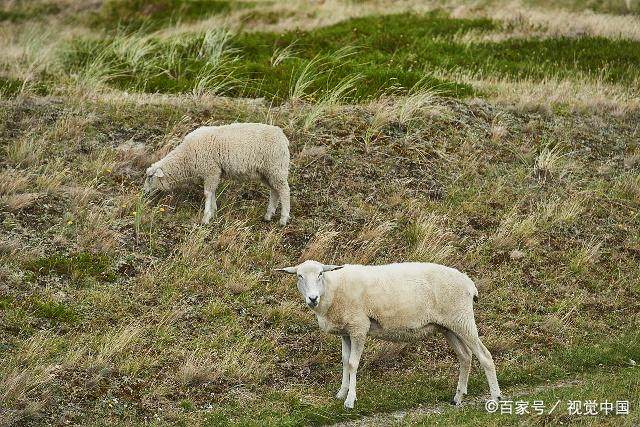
349,403
454,403
268,217
342,394
496,399
283,221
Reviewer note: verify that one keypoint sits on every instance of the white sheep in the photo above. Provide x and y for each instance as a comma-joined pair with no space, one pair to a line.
397,302
240,150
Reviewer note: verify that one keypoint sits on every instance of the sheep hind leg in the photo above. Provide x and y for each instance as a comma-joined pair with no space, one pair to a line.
472,340
464,358
210,204
273,204
281,186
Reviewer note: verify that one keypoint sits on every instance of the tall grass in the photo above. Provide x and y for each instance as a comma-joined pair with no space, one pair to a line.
329,100
282,54
199,64
305,78
214,46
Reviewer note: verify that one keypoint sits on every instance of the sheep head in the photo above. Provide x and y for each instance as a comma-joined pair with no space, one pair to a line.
310,280
154,180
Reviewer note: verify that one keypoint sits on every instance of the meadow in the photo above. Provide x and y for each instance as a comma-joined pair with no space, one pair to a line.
501,138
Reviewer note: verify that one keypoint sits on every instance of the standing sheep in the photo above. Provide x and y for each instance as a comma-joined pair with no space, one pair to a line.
396,302
240,150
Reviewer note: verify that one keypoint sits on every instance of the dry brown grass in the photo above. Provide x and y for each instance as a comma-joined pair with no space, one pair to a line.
238,361
578,94
18,202
515,230
522,21
319,246
196,369
370,241
433,243
96,234
295,15
17,384
587,255
25,151
13,181
116,344
525,21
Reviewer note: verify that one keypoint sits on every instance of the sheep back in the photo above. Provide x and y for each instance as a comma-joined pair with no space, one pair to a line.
240,150
399,296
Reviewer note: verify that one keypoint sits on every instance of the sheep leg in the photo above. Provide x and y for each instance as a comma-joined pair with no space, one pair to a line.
464,358
357,345
210,205
281,186
283,192
486,361
346,350
273,204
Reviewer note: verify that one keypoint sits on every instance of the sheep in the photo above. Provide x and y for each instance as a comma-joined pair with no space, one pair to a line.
396,302
239,150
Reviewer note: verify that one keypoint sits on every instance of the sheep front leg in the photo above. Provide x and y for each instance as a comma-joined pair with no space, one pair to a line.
210,205
357,345
346,350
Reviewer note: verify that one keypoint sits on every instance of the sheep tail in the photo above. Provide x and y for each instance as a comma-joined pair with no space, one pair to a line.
473,290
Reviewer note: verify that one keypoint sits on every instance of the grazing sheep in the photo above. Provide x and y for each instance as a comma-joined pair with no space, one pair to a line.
396,302
240,150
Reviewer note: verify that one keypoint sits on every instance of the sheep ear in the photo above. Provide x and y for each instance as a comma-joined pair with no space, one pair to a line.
290,270
331,267
159,173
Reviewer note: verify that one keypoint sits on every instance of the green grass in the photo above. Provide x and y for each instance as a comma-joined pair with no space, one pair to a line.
77,267
9,87
389,54
603,384
22,10
53,310
148,15
380,394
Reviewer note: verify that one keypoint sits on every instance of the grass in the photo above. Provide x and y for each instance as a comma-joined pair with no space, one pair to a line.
75,267
24,10
603,386
414,136
603,6
196,289
153,14
384,61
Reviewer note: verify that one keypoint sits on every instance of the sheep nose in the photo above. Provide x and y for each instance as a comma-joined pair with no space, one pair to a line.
313,300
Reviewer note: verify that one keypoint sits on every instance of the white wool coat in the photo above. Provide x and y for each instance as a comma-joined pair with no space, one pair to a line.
396,301
239,150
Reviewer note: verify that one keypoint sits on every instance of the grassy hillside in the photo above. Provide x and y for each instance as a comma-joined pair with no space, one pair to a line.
494,138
